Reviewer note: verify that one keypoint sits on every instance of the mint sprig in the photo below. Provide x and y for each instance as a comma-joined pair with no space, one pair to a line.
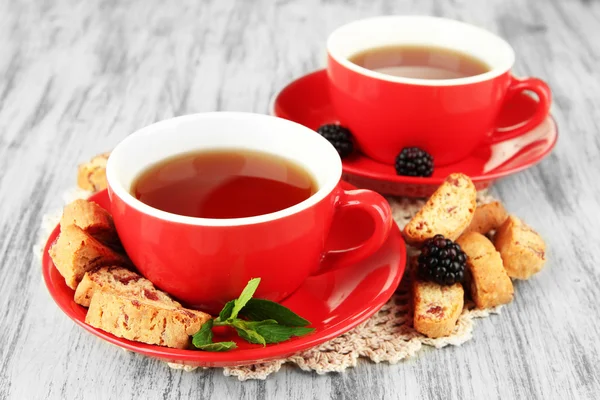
265,322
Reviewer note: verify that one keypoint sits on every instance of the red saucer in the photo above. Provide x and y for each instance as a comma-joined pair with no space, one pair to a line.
306,101
335,301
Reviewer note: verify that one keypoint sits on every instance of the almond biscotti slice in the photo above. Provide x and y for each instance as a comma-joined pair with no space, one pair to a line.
119,280
92,218
448,211
522,249
436,307
76,252
487,217
92,175
144,321
488,282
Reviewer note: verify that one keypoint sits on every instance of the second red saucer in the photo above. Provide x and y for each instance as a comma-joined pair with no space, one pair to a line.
306,101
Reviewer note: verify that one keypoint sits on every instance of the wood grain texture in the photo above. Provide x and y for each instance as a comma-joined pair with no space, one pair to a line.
77,76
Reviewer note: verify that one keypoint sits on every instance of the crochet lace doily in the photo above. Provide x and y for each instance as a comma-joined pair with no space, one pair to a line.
388,336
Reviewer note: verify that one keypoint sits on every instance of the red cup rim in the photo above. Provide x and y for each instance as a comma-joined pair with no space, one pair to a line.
116,188
497,70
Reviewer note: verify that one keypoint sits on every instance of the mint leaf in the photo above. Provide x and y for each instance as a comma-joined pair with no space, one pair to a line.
246,295
204,335
203,339
254,324
219,346
226,311
248,332
279,333
261,309
251,336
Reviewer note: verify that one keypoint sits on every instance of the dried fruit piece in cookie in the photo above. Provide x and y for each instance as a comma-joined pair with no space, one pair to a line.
76,252
448,211
144,321
523,251
119,280
436,307
92,175
487,217
487,280
92,218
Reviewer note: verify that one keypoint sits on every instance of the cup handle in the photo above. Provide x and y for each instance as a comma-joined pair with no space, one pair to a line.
378,209
517,85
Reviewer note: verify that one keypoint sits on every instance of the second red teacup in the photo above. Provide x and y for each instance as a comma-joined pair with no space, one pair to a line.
447,117
206,262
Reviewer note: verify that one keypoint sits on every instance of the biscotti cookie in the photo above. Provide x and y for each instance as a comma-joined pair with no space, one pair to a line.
487,280
92,218
76,252
487,217
523,251
448,211
92,175
143,321
119,280
436,307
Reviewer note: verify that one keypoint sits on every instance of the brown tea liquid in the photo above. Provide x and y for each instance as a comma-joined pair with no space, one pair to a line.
223,184
420,62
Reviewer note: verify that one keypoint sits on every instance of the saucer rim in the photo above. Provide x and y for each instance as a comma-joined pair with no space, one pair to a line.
401,179
234,357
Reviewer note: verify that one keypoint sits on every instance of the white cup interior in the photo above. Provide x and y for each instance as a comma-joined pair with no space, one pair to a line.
361,35
221,131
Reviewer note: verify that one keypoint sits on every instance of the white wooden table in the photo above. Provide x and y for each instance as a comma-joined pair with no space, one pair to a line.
76,77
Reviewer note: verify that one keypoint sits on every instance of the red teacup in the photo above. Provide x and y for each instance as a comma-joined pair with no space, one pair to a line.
450,117
207,262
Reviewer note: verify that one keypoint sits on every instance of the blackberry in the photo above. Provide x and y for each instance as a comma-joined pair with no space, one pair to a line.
441,261
339,136
413,161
